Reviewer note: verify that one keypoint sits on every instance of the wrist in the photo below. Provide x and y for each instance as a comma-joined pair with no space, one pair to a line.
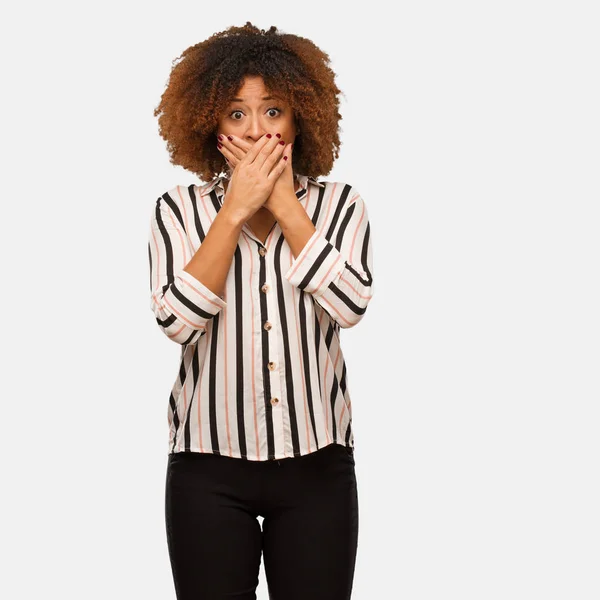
231,216
282,206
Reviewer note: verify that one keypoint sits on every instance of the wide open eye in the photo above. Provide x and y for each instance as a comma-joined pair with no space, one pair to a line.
272,108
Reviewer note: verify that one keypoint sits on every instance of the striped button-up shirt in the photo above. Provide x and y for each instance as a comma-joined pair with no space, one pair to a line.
262,375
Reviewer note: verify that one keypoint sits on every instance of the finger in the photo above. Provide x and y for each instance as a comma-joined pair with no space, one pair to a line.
287,156
279,168
269,154
261,150
236,143
232,160
232,146
274,157
255,149
288,151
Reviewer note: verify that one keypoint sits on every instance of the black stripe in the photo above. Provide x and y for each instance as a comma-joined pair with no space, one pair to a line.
212,384
187,424
239,354
168,246
318,207
174,418
197,224
166,322
358,276
174,208
287,359
315,266
150,262
338,210
185,301
334,387
353,307
264,317
304,297
181,383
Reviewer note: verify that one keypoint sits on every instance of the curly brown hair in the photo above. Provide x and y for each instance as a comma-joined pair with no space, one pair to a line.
207,75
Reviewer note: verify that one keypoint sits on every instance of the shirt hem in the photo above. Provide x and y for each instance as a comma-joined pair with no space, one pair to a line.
254,458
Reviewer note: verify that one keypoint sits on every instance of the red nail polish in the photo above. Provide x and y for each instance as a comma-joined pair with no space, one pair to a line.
282,143
285,158
269,135
220,136
219,145
278,134
230,138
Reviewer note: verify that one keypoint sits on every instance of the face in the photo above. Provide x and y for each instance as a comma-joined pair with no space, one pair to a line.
249,116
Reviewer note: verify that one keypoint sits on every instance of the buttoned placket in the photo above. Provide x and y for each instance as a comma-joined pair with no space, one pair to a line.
265,287
271,324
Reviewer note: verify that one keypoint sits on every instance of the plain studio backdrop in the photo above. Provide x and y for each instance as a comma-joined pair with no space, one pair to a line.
472,131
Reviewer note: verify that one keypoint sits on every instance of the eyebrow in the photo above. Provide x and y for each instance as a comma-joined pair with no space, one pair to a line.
241,99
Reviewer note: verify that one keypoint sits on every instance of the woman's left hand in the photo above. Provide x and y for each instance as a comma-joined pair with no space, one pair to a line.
235,149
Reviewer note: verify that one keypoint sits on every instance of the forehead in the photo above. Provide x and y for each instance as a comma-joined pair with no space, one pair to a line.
253,90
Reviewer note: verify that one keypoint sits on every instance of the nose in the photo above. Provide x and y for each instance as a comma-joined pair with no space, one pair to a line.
255,130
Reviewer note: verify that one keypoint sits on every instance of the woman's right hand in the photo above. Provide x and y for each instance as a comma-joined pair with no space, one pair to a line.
253,178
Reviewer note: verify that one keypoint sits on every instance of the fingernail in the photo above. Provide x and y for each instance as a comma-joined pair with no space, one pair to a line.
282,143
220,136
219,145
269,135
230,138
278,134
285,158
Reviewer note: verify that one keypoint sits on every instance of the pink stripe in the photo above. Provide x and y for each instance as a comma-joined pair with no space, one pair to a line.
297,319
320,319
174,335
298,338
183,245
302,255
326,274
356,232
208,213
225,364
199,409
256,434
180,316
203,296
185,220
350,284
334,309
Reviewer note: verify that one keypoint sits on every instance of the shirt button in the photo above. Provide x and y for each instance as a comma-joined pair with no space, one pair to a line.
265,288
271,366
274,401
262,251
267,325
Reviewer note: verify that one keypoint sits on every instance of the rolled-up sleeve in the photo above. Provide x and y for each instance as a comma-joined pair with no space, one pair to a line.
182,305
338,271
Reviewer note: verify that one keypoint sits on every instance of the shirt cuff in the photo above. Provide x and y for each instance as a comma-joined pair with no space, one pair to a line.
192,300
318,264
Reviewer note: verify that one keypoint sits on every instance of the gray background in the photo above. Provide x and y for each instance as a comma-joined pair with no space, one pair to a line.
471,130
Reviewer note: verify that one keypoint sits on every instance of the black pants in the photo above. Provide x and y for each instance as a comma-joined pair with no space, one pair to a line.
309,538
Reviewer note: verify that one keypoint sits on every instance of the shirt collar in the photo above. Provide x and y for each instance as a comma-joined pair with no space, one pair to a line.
217,183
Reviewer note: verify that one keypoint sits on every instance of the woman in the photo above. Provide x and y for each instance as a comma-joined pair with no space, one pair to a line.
254,274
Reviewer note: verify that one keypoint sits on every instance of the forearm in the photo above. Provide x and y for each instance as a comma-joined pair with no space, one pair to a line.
211,262
336,268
